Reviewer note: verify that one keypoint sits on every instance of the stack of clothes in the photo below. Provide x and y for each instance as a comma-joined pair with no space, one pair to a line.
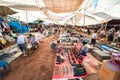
79,70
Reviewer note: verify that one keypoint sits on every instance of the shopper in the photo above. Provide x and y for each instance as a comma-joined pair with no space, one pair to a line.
94,36
111,35
22,43
88,31
118,38
102,33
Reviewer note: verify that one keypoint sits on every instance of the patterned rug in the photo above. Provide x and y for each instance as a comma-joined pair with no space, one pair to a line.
91,64
64,70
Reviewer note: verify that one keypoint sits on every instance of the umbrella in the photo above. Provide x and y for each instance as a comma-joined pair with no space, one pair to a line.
6,11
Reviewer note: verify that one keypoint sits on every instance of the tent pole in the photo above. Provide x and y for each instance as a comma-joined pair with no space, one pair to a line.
84,19
27,20
5,11
75,20
26,17
106,26
84,22
20,24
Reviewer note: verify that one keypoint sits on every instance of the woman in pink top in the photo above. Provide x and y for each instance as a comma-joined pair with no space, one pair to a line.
102,33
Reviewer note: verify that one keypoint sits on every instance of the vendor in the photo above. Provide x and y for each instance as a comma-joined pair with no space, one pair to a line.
54,44
34,41
77,45
84,49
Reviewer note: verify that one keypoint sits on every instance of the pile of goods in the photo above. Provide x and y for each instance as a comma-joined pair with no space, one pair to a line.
78,70
116,58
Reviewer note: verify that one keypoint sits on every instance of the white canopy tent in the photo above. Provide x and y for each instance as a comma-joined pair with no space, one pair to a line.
110,7
29,16
93,11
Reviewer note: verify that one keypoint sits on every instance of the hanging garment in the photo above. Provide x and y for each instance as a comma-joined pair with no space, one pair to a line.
3,41
3,24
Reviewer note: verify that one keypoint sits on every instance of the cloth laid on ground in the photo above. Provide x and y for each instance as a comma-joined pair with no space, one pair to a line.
91,63
67,70
93,76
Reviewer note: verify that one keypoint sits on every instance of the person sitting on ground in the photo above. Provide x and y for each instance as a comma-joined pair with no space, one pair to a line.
84,49
34,41
53,45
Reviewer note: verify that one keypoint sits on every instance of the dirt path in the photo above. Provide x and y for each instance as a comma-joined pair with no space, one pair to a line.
38,66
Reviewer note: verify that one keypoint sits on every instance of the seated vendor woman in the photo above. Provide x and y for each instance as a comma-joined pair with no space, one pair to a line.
54,44
84,49
34,41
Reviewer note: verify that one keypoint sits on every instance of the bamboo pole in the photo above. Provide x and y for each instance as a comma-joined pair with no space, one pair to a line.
20,24
27,21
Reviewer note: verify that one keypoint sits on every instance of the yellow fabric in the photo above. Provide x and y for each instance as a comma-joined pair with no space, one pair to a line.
3,41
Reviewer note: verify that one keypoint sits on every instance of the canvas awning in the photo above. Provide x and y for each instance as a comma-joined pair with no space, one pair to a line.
62,6
6,11
29,16
108,9
95,10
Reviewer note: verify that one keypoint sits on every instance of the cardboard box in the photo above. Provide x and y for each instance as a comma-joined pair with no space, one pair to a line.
107,74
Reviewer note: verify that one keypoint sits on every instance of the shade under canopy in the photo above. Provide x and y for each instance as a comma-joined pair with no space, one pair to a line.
61,6
6,11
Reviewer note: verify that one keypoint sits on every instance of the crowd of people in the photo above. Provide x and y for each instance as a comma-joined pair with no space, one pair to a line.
110,36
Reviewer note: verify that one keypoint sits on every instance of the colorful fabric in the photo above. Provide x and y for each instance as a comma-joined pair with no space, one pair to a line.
3,41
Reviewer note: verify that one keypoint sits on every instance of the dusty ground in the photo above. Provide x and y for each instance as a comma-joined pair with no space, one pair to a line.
38,66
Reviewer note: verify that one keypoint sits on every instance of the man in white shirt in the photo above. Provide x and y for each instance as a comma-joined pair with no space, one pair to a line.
22,43
94,36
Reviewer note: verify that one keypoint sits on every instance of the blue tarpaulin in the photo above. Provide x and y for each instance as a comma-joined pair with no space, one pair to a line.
15,25
106,47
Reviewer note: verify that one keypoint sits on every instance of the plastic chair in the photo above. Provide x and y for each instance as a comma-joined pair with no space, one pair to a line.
4,64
